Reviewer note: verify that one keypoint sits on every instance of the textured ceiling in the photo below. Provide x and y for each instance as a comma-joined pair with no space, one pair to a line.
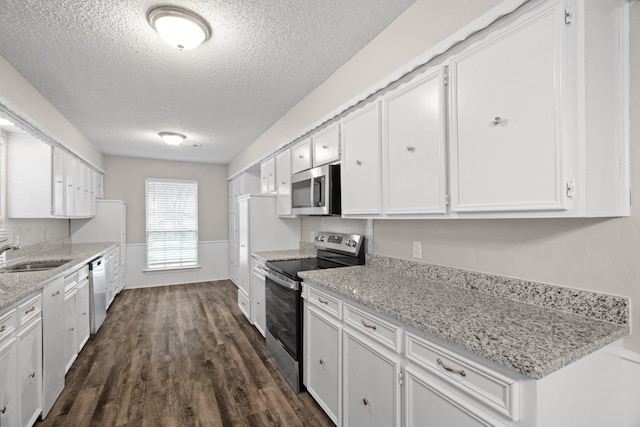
102,65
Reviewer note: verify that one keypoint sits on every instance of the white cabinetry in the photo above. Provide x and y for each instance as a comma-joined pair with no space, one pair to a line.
53,329
360,167
555,146
260,229
301,156
415,146
46,182
76,314
246,182
258,313
326,145
268,176
112,272
283,179
9,407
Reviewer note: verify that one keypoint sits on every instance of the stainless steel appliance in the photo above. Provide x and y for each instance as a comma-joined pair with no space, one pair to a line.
316,191
284,301
97,293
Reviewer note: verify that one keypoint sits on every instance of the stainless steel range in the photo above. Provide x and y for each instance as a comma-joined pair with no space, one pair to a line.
284,300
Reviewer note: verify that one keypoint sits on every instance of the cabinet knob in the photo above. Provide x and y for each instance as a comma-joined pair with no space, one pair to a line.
325,146
321,362
301,156
55,294
411,148
3,328
365,401
32,375
3,410
358,162
496,120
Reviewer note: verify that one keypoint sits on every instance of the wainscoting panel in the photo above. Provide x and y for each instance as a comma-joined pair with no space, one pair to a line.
213,257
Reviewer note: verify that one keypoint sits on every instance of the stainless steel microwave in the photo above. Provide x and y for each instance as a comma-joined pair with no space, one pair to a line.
316,191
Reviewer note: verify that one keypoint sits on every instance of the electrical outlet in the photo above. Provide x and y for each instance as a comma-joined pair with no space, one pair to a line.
417,249
312,236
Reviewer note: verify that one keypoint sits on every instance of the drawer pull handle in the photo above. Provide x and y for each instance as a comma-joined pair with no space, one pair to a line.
496,121
358,162
450,369
321,362
55,294
411,148
365,401
323,301
3,410
33,375
3,328
32,309
368,325
325,146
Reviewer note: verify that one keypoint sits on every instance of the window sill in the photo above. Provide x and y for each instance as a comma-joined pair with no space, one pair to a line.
172,269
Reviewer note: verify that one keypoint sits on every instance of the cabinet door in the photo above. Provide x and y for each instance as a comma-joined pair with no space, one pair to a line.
258,313
243,247
326,145
30,372
58,182
99,185
323,361
8,383
268,176
70,347
360,167
283,179
506,124
83,326
415,147
428,403
371,384
53,327
70,180
301,156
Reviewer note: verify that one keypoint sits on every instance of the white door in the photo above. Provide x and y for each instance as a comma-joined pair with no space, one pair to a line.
8,383
326,145
30,372
371,384
283,179
360,166
323,361
415,146
506,124
428,403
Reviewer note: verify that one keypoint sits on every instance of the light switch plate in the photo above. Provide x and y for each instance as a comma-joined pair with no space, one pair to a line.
417,249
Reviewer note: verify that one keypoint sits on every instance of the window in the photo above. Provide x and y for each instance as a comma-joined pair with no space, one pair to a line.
172,224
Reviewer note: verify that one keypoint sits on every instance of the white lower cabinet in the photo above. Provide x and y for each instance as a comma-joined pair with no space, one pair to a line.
371,383
323,367
258,298
53,330
70,349
8,370
30,373
76,314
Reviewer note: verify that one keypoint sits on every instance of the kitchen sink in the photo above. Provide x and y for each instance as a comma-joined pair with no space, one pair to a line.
24,267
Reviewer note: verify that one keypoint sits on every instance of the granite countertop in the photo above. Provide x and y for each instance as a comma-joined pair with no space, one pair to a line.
285,255
16,286
532,340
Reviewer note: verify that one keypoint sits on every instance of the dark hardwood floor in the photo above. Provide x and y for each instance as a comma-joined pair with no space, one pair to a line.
179,356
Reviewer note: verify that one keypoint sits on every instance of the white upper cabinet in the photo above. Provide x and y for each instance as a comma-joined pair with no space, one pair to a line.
538,117
58,206
506,134
283,180
301,156
414,146
360,167
268,176
326,145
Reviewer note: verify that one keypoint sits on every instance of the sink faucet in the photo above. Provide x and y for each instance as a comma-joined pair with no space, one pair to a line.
5,248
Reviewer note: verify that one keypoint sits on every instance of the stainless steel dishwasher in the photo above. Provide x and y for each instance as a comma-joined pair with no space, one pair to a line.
97,293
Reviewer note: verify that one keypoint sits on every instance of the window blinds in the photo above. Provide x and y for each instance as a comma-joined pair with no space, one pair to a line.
172,224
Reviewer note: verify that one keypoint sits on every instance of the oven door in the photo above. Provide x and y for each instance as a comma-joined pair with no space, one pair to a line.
284,312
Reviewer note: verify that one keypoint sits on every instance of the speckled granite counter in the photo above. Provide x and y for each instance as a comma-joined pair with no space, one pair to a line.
533,340
16,286
285,255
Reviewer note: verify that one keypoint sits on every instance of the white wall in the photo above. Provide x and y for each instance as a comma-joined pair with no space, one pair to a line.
594,254
18,94
125,180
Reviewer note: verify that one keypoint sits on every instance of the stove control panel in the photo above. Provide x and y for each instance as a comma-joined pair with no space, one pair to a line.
350,243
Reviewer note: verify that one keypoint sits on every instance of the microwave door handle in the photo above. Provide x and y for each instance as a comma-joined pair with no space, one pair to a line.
312,200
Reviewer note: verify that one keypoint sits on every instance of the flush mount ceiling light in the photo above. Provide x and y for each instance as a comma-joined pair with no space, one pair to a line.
179,27
172,138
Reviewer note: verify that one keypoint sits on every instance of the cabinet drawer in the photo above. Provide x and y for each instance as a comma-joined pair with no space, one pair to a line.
30,309
324,301
83,273
8,323
384,332
70,280
491,388
244,304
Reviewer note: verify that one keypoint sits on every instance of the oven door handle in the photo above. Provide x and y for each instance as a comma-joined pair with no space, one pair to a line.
290,284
